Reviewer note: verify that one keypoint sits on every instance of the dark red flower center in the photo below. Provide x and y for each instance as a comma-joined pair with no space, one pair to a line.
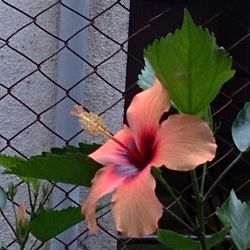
143,154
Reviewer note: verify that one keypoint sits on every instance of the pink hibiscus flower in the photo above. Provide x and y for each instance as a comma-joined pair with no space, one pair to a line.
180,143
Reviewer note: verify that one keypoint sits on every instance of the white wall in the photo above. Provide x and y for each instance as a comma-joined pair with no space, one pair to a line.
36,91
99,95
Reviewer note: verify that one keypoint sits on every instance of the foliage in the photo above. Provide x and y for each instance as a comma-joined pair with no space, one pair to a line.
236,214
176,241
218,237
147,76
40,225
3,198
241,129
192,68
67,165
190,65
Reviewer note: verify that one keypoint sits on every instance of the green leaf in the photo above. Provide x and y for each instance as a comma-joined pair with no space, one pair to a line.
190,65
176,241
67,165
218,237
147,76
3,198
83,148
236,214
2,246
71,168
9,162
241,129
49,223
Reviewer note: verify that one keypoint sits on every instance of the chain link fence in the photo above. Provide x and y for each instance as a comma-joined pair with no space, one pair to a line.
31,91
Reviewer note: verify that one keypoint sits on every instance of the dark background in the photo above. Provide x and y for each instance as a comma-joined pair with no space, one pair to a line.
230,22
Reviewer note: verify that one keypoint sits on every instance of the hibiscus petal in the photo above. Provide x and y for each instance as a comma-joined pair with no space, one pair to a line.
104,182
136,208
183,142
111,152
145,111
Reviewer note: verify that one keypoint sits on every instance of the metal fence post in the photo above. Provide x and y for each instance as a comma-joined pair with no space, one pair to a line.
69,72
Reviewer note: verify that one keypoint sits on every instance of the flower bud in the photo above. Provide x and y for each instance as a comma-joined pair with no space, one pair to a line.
21,216
22,224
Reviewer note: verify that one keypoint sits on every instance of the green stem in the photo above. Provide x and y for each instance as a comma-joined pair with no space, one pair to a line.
209,119
200,211
157,174
30,200
34,203
203,177
22,245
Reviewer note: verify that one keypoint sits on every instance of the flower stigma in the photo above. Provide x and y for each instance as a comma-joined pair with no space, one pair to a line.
94,125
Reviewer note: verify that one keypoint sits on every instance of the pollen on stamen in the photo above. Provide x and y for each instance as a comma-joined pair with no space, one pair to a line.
90,122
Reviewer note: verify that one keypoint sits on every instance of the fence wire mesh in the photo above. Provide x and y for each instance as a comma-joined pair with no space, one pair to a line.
225,107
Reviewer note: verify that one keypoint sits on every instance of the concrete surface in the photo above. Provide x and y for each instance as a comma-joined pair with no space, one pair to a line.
36,91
